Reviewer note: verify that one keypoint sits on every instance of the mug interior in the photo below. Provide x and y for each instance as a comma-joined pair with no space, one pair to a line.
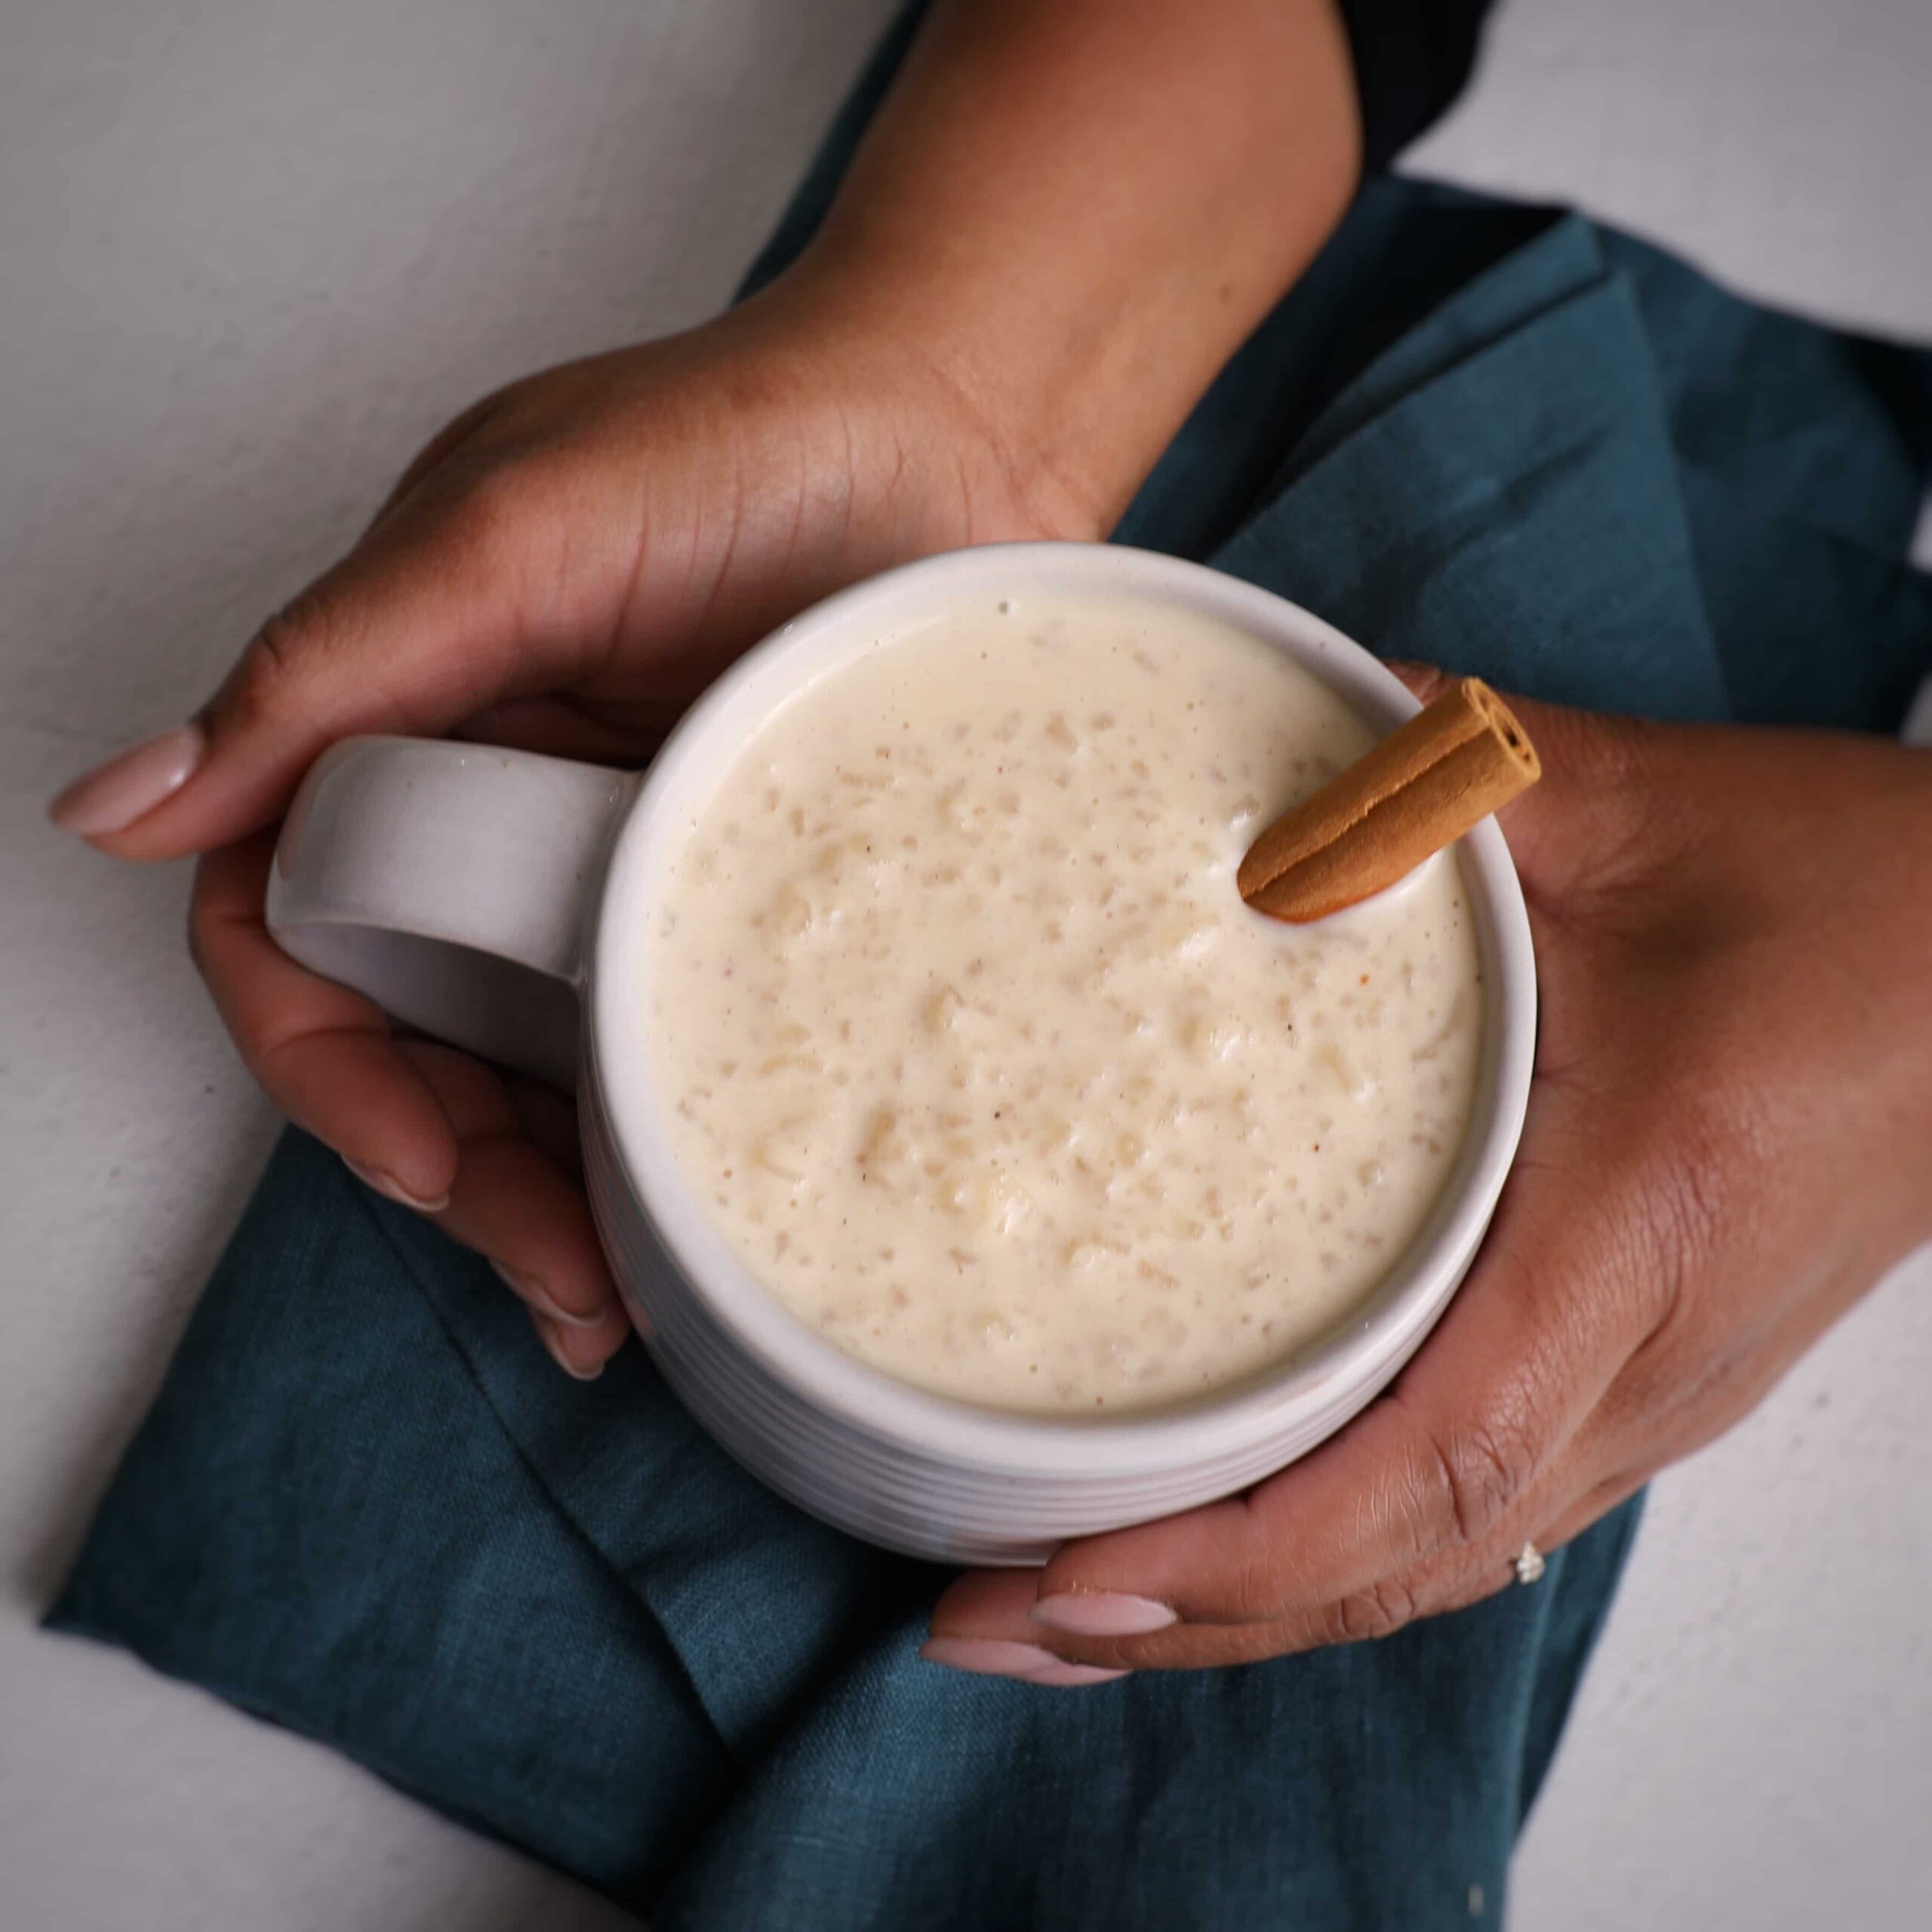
819,643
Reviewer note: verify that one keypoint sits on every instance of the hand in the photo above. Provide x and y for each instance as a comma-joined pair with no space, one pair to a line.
562,568
1729,1140
1004,317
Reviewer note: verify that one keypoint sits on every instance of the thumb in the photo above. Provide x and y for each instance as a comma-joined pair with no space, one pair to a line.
442,610
1424,681
1594,765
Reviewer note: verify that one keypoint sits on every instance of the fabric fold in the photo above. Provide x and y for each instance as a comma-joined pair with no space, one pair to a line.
1498,495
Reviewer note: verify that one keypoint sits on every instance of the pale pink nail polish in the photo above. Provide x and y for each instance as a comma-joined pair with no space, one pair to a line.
528,1288
990,1657
1103,1614
1060,1676
1000,1656
390,1188
112,796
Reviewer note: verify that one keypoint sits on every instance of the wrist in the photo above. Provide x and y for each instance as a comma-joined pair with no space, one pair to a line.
862,358
1071,215
957,373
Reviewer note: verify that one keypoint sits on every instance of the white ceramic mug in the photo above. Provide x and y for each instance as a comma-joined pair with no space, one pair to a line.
498,900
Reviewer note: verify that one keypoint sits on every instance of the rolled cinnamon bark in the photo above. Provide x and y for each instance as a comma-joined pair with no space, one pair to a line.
1459,758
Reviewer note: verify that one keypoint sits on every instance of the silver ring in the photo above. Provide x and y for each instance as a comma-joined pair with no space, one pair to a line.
1530,1565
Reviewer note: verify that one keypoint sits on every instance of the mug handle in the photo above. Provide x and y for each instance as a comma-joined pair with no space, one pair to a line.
453,884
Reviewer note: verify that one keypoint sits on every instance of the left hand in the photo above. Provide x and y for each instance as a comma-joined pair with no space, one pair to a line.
560,569
1729,1140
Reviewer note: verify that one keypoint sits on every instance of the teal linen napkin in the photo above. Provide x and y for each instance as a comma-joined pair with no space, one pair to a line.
365,1507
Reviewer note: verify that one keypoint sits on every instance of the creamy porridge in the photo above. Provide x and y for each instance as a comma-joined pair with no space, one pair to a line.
968,1044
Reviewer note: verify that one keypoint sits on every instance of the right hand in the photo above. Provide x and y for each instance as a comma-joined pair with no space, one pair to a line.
563,568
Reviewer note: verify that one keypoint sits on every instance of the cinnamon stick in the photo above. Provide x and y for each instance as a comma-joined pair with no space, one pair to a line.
1459,758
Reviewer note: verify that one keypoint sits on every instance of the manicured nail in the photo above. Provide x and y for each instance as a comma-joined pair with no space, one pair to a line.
1102,1613
112,796
528,1288
1062,1676
554,1337
1000,1657
390,1188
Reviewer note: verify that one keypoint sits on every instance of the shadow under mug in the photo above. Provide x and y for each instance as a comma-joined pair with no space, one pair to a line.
498,900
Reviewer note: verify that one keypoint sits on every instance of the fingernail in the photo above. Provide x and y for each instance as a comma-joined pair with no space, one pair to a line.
1000,1657
1102,1613
112,796
528,1288
991,1656
552,1336
387,1185
1062,1676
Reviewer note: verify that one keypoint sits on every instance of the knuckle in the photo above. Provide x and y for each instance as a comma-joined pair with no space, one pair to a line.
1490,1463
1620,832
1697,1209
1481,1467
266,679
493,506
1366,1615
1697,1221
1254,1588
1245,1578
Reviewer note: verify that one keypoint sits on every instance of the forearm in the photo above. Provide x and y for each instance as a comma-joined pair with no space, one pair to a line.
1078,209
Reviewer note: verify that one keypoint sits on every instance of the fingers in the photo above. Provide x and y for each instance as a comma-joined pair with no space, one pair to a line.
1592,1506
1429,1485
981,1622
560,728
1578,825
447,607
423,1124
515,1203
981,1626
1424,681
1525,1352
324,1054
986,1623
990,1620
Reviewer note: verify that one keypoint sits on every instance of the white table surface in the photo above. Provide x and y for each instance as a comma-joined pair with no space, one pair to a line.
252,252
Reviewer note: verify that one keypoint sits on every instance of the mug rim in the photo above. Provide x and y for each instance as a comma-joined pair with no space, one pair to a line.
818,643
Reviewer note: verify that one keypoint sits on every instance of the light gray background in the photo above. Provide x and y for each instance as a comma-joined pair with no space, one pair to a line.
252,252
